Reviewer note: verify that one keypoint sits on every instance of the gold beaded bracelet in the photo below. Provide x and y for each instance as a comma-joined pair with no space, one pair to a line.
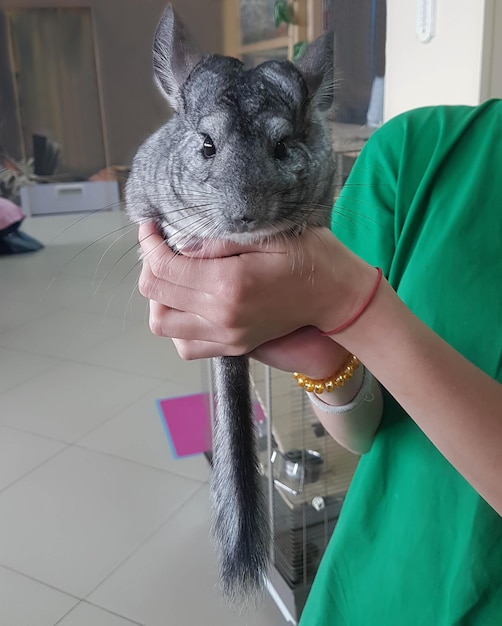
328,384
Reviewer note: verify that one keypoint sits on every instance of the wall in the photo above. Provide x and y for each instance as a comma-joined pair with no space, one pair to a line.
460,65
124,30
491,85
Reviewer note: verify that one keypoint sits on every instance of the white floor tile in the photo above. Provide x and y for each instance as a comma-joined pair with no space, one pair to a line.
62,334
19,367
137,434
26,602
92,248
140,352
119,301
70,400
25,298
75,519
21,452
104,262
85,614
42,266
85,245
172,578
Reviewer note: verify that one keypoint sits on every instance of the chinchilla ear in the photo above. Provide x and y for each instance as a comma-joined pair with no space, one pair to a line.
174,55
316,66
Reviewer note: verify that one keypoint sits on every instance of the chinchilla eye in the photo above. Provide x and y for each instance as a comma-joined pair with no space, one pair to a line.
208,147
280,151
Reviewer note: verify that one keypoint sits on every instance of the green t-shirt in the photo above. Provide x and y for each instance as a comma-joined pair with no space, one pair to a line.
415,544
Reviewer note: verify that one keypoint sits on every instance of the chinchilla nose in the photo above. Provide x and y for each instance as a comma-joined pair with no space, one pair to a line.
243,223
246,220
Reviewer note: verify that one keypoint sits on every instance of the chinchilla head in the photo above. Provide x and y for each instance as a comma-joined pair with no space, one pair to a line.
246,153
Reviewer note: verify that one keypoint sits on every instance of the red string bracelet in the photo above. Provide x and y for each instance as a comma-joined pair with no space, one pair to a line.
361,310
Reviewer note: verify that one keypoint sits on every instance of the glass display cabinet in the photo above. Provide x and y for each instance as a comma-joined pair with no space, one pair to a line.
305,476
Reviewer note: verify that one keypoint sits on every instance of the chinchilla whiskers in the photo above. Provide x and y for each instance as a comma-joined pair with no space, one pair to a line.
160,245
351,216
129,304
113,243
127,228
166,199
292,234
351,223
363,220
108,273
322,244
202,205
296,257
178,224
166,195
86,216
137,265
110,270
200,228
140,212
305,208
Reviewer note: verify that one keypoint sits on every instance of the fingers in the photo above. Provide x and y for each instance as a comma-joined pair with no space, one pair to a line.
214,249
192,331
146,230
164,292
194,271
166,287
167,322
205,287
156,252
191,350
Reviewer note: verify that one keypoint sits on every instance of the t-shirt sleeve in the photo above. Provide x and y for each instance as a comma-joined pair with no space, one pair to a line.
381,207
363,215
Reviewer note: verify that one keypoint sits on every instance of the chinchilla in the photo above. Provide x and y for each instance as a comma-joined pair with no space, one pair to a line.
246,156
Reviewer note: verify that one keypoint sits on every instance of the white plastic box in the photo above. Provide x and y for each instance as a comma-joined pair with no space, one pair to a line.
78,197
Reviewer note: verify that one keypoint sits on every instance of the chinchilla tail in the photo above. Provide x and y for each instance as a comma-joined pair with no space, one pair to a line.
240,518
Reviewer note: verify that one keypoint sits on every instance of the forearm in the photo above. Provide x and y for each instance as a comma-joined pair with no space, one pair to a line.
352,414
318,357
456,405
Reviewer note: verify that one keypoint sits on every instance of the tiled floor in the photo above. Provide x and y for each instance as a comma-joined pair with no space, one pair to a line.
99,526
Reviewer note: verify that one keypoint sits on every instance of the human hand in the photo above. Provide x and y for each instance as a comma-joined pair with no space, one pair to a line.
305,350
231,305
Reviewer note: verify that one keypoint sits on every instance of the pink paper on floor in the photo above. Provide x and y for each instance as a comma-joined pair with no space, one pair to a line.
187,422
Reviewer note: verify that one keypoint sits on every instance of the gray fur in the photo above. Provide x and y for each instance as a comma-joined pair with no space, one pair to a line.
249,190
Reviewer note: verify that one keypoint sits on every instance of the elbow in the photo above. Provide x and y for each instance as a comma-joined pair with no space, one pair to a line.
358,443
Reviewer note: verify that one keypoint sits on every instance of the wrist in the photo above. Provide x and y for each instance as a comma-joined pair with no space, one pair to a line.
344,395
340,387
361,307
373,329
322,367
340,284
